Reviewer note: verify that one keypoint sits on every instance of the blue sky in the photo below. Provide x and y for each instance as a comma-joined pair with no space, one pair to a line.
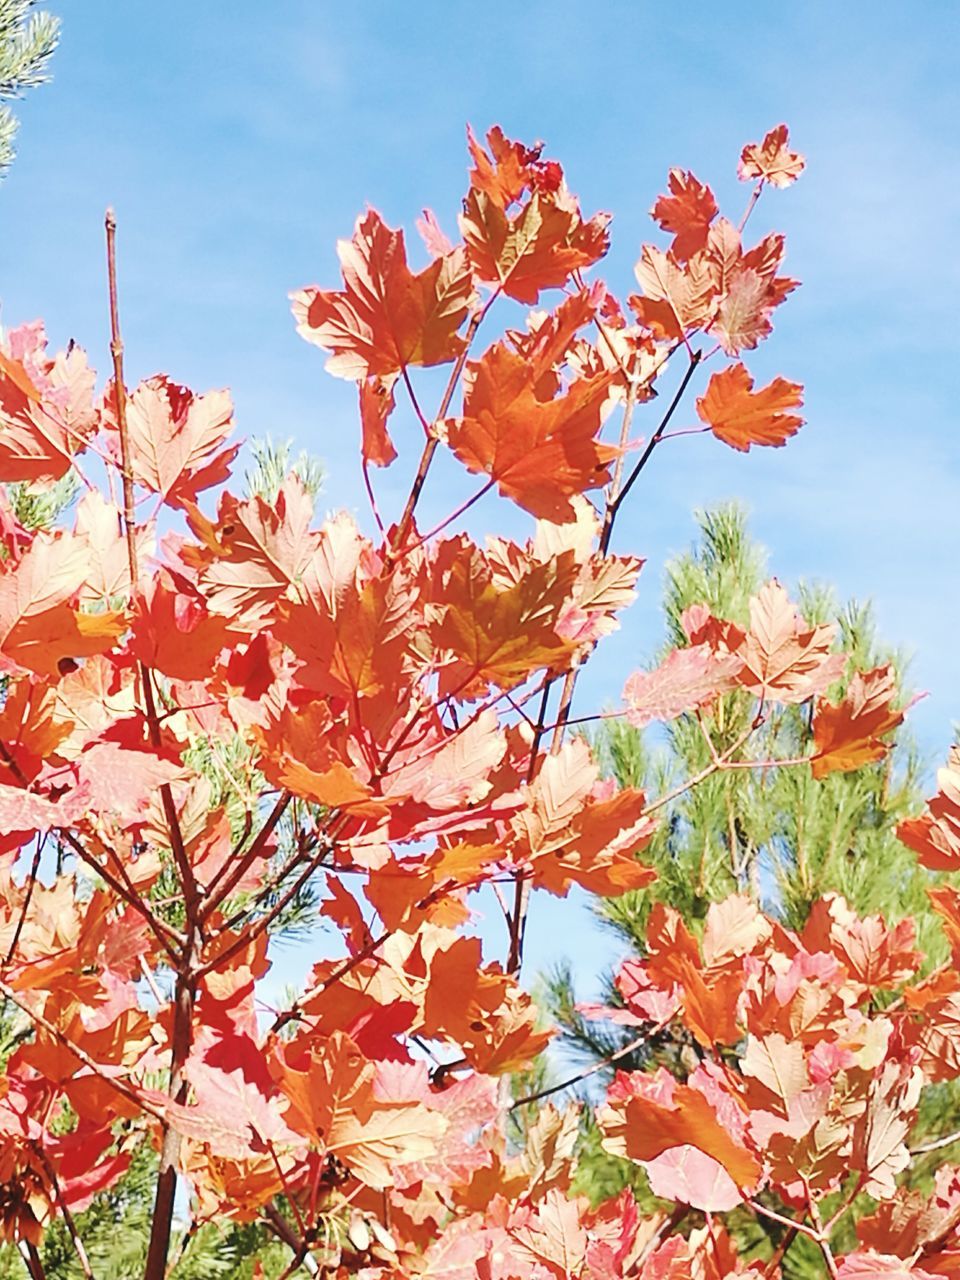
238,142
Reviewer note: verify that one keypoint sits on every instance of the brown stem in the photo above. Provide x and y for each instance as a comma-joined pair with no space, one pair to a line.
256,927
822,1240
296,1009
235,868
31,881
31,1260
185,988
588,1071
803,1227
786,1240
120,395
936,1144
618,501
162,1222
521,891
68,1219
751,204
718,763
430,447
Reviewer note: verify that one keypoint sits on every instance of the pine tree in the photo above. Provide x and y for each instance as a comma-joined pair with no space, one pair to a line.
27,41
778,835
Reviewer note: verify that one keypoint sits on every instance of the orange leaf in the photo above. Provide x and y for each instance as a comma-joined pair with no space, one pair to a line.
539,247
39,630
376,405
46,406
935,837
176,437
686,213
685,680
333,1102
497,635
741,417
638,1128
849,735
677,296
540,452
386,318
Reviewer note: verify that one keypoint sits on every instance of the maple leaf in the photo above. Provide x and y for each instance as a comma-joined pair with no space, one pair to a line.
686,680
174,630
539,247
119,779
510,169
935,837
868,1265
175,438
688,1176
376,404
686,213
677,297
850,734
108,564
708,997
39,628
879,1148
771,160
296,754
496,635
645,1116
386,318
912,1223
539,452
747,286
46,406
571,834
254,553
784,660
778,1064
333,1102
237,1109
553,1236
24,811
741,417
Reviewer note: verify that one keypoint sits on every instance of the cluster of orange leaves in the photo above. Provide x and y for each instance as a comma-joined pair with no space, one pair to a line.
365,702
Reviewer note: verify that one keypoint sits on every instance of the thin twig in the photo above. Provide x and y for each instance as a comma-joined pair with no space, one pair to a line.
25,906
936,1144
618,501
589,1071
68,1219
116,1082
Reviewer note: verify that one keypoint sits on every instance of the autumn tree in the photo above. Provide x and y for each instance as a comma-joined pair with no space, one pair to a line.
214,708
28,38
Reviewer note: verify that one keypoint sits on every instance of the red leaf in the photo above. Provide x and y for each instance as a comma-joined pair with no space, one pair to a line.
539,452
740,416
850,734
686,213
386,318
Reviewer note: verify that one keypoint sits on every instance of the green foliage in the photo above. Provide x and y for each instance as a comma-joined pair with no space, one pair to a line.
39,507
28,39
776,834
272,464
